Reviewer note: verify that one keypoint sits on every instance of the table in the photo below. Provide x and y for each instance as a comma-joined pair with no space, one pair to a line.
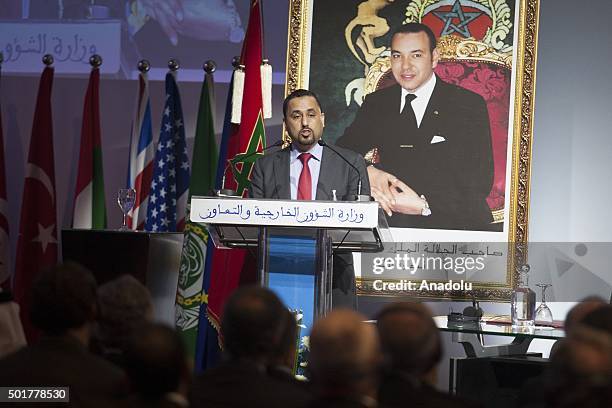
470,337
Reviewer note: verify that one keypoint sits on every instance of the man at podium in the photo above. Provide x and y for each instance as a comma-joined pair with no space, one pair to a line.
311,170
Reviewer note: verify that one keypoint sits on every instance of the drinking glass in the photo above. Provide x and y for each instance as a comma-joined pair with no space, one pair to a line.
543,313
125,198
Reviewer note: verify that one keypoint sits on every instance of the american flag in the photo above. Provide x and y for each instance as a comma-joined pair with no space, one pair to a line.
142,153
170,183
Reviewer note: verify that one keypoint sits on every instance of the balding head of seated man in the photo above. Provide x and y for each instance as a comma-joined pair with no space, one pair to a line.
412,350
344,360
259,337
257,326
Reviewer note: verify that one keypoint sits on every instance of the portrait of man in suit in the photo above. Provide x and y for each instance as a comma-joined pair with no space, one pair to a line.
429,141
307,170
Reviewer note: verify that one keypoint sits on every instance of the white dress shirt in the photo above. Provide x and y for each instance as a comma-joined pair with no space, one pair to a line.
419,104
295,169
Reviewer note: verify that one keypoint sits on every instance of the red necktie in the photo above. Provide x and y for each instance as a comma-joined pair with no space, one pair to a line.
305,182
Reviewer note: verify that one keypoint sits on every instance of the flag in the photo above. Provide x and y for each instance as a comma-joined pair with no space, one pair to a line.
142,152
170,182
4,226
37,242
193,256
224,267
89,199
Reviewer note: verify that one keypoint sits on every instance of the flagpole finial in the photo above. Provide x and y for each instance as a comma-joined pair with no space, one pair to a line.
236,62
174,64
95,61
209,66
144,66
47,59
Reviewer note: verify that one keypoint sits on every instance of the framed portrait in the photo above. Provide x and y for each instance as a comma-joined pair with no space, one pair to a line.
473,150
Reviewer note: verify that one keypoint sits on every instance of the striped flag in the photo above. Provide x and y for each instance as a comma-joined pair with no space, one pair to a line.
189,294
89,205
170,182
4,226
142,152
37,242
224,268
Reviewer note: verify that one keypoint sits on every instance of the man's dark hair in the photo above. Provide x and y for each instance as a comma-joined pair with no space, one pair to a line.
298,93
599,319
155,360
62,298
124,303
417,28
254,323
409,337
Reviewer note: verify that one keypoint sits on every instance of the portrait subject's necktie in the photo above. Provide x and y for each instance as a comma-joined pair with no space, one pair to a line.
305,181
408,113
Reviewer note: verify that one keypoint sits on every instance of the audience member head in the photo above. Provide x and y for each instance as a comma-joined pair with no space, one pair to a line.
124,303
410,340
590,343
580,310
64,300
156,362
254,324
284,355
345,353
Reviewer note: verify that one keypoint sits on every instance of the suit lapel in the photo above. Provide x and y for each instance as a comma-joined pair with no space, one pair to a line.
325,171
429,124
281,176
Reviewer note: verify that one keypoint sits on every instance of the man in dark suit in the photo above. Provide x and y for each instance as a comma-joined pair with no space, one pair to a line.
259,336
326,176
433,141
63,307
344,360
412,350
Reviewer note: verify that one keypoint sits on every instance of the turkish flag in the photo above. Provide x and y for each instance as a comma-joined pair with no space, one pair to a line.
37,242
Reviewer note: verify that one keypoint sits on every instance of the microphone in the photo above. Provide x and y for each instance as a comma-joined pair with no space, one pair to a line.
223,192
359,196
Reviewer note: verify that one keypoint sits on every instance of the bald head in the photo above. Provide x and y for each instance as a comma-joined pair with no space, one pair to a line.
409,338
343,349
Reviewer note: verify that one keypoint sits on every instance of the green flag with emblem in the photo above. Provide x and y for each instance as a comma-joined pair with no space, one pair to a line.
189,294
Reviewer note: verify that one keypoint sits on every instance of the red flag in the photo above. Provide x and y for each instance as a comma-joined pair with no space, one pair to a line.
4,227
249,137
37,243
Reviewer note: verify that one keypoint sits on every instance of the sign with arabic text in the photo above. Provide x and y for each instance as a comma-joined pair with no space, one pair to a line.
70,44
284,213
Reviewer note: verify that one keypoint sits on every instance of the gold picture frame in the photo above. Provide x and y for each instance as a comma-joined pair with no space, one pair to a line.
518,19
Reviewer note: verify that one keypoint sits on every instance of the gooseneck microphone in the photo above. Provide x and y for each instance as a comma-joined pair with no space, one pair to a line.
229,192
359,196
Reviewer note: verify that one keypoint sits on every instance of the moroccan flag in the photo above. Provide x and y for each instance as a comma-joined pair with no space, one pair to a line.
225,266
89,205
4,226
204,164
170,182
142,153
37,242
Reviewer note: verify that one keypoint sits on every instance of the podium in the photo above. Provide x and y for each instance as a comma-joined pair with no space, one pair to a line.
294,241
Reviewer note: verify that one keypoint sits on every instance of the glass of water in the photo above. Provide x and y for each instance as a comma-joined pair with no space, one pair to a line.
126,197
543,312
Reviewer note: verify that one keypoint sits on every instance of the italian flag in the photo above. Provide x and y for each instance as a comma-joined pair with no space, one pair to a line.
89,206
